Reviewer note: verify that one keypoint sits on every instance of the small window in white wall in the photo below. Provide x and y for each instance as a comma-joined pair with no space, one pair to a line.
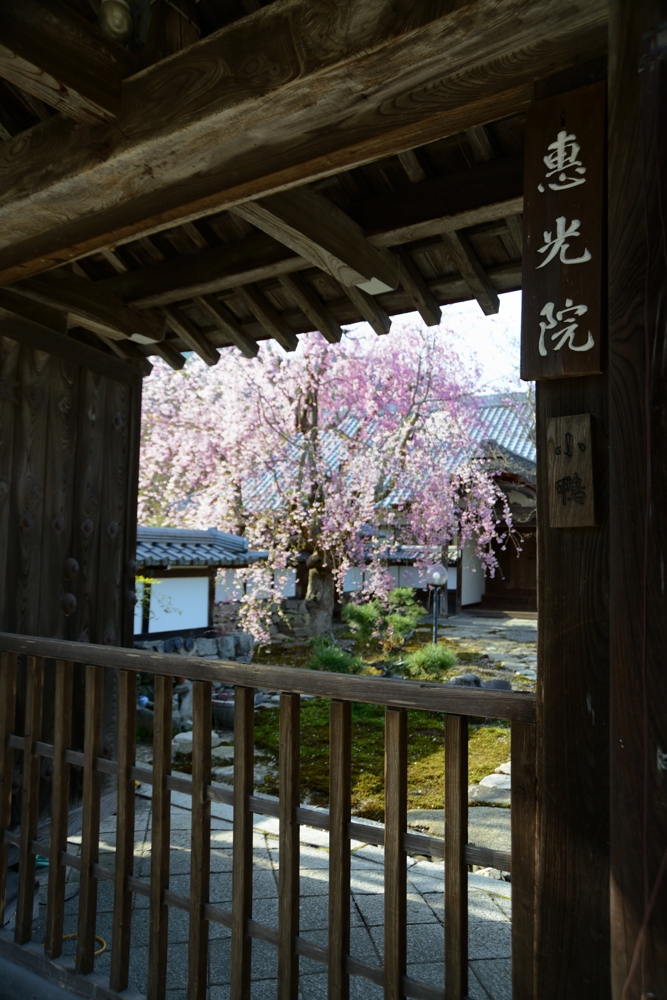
178,603
229,585
411,576
138,608
354,580
284,580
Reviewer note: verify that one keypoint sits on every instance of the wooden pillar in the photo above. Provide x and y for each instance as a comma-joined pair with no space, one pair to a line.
572,884
638,491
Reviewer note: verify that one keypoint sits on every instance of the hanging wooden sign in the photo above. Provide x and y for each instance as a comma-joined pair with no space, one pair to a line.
563,223
570,465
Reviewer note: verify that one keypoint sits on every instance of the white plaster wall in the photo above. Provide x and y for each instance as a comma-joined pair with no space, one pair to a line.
354,580
473,582
228,585
178,603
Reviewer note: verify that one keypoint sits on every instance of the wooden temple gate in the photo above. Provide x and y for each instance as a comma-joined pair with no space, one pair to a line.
239,171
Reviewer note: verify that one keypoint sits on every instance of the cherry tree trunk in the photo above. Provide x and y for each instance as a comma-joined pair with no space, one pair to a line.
320,599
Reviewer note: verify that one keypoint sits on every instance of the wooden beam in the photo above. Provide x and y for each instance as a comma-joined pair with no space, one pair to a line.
313,307
207,271
318,230
485,193
51,52
370,309
413,168
190,335
273,323
226,321
45,339
92,307
415,285
466,260
168,353
515,226
427,71
481,143
128,351
54,319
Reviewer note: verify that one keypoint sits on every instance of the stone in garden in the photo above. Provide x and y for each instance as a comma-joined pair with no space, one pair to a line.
466,680
222,756
504,768
497,685
145,719
182,742
207,647
485,795
497,781
226,647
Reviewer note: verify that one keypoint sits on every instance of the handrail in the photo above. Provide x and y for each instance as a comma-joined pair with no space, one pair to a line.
427,696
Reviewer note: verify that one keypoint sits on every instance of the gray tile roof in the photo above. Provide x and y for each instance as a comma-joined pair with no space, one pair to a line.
185,547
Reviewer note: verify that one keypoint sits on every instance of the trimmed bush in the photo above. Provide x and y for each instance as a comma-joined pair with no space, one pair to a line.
327,655
429,663
391,624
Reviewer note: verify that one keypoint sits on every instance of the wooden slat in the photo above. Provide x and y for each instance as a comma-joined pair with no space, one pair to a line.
225,321
170,354
29,799
244,754
466,260
90,834
124,865
7,711
194,339
415,285
401,694
524,804
340,791
200,864
395,869
370,309
160,837
62,737
289,850
456,875
272,321
315,310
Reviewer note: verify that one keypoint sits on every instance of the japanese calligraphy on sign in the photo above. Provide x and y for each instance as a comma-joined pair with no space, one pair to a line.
563,235
570,465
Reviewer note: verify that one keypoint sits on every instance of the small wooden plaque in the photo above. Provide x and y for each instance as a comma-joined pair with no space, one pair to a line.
570,457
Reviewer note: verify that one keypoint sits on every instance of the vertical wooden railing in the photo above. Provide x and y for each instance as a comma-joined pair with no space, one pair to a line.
456,704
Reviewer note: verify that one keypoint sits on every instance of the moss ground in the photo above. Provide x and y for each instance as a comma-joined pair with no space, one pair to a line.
489,746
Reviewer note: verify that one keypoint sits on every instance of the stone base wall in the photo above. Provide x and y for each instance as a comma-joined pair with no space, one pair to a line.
231,646
291,622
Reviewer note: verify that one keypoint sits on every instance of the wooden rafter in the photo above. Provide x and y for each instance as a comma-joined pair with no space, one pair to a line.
321,232
414,284
313,307
314,127
92,307
193,338
271,320
51,52
223,318
370,309
467,262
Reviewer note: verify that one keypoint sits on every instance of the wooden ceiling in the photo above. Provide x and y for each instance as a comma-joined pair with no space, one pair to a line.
410,229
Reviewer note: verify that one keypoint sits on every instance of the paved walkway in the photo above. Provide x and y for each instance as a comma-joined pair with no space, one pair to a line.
489,911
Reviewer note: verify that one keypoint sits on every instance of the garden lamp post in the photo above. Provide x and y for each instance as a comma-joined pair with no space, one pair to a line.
437,577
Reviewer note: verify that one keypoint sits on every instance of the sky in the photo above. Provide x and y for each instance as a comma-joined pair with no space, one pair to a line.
491,342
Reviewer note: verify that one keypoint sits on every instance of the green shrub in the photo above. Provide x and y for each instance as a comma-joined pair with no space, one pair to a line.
328,656
390,624
429,663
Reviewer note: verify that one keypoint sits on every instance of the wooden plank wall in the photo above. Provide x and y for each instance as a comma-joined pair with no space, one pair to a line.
638,477
68,485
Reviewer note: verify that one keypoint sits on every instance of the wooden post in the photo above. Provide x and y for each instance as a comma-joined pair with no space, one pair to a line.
340,785
122,896
7,709
290,854
523,860
90,834
395,870
456,873
160,842
29,798
638,492
55,910
200,868
244,759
